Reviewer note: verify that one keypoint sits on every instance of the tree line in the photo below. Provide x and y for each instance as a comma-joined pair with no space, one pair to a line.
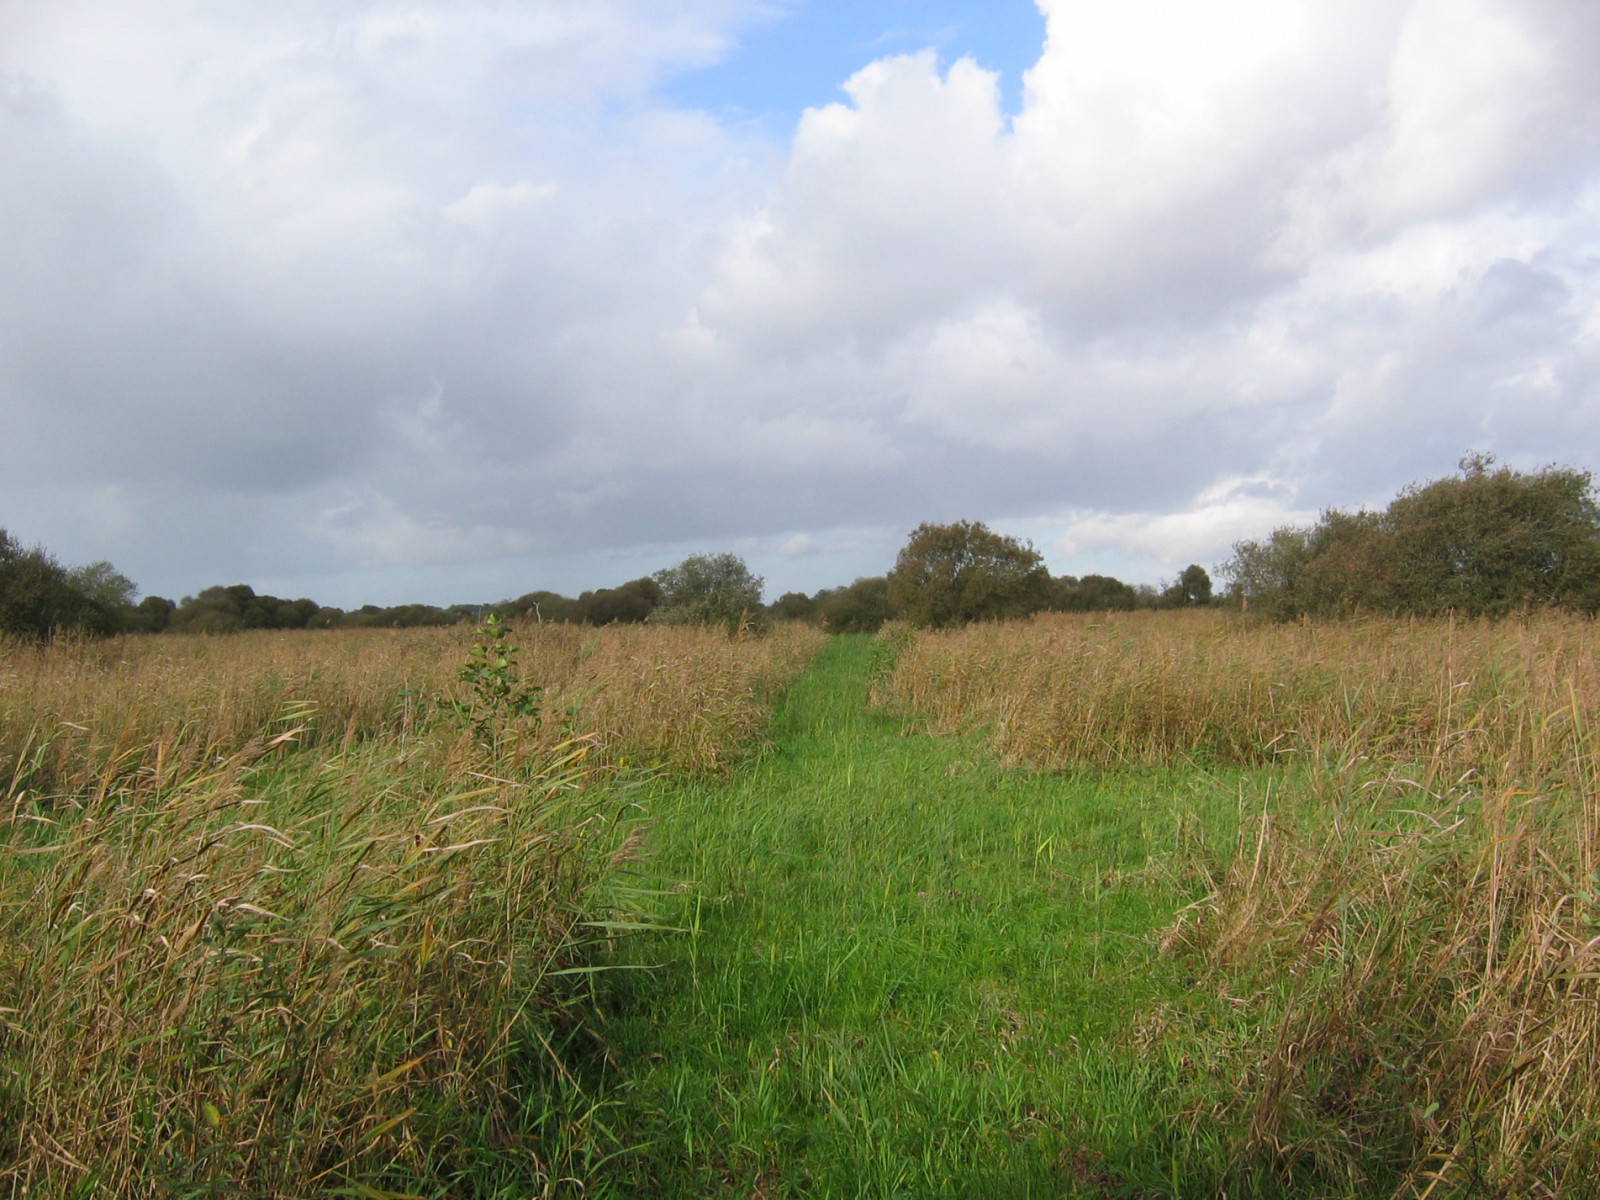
994,575
1488,542
40,597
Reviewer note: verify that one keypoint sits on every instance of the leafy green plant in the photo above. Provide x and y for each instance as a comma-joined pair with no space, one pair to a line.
498,693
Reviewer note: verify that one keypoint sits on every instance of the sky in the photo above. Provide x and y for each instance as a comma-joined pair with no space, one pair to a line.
402,300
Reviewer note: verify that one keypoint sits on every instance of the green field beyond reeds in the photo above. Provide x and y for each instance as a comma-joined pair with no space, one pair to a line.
908,972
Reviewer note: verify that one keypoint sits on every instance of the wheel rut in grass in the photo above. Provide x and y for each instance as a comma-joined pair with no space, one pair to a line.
905,970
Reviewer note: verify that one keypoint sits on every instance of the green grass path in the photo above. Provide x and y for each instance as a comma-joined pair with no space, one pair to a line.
906,971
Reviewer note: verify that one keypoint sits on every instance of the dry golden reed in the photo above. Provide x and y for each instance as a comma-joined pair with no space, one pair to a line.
274,923
1062,691
689,698
281,978
1422,969
1409,930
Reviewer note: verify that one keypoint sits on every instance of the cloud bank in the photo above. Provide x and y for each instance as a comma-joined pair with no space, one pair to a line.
380,297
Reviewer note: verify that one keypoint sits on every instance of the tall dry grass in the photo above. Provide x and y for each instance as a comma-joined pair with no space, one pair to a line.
1409,931
1421,973
277,980
688,698
274,923
1062,691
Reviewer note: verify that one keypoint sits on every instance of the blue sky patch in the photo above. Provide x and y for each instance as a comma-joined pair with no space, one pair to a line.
800,56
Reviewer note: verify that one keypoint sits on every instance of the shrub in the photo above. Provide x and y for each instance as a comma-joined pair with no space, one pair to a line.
1488,543
795,606
230,609
1092,593
863,607
539,606
707,589
626,605
39,598
951,574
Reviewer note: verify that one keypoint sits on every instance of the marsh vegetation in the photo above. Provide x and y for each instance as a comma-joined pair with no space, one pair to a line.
283,914
1143,904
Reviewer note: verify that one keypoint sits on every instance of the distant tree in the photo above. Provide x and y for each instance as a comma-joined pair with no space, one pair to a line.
1264,576
1192,589
544,607
399,616
151,615
863,607
38,598
214,610
104,584
230,609
1346,566
1486,543
415,616
709,589
1093,593
794,606
1497,540
629,604
294,614
951,574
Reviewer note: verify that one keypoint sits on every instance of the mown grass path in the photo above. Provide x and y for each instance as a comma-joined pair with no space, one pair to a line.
907,972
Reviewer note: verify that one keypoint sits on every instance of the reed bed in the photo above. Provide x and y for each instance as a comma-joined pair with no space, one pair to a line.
1405,945
1064,691
274,922
1418,972
691,699
278,980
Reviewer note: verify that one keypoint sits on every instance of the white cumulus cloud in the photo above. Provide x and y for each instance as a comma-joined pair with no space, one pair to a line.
425,287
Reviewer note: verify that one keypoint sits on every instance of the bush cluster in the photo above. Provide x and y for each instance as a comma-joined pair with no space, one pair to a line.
40,599
1486,543
39,596
628,604
238,607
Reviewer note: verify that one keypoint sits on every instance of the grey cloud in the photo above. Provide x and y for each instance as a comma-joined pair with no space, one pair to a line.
426,291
